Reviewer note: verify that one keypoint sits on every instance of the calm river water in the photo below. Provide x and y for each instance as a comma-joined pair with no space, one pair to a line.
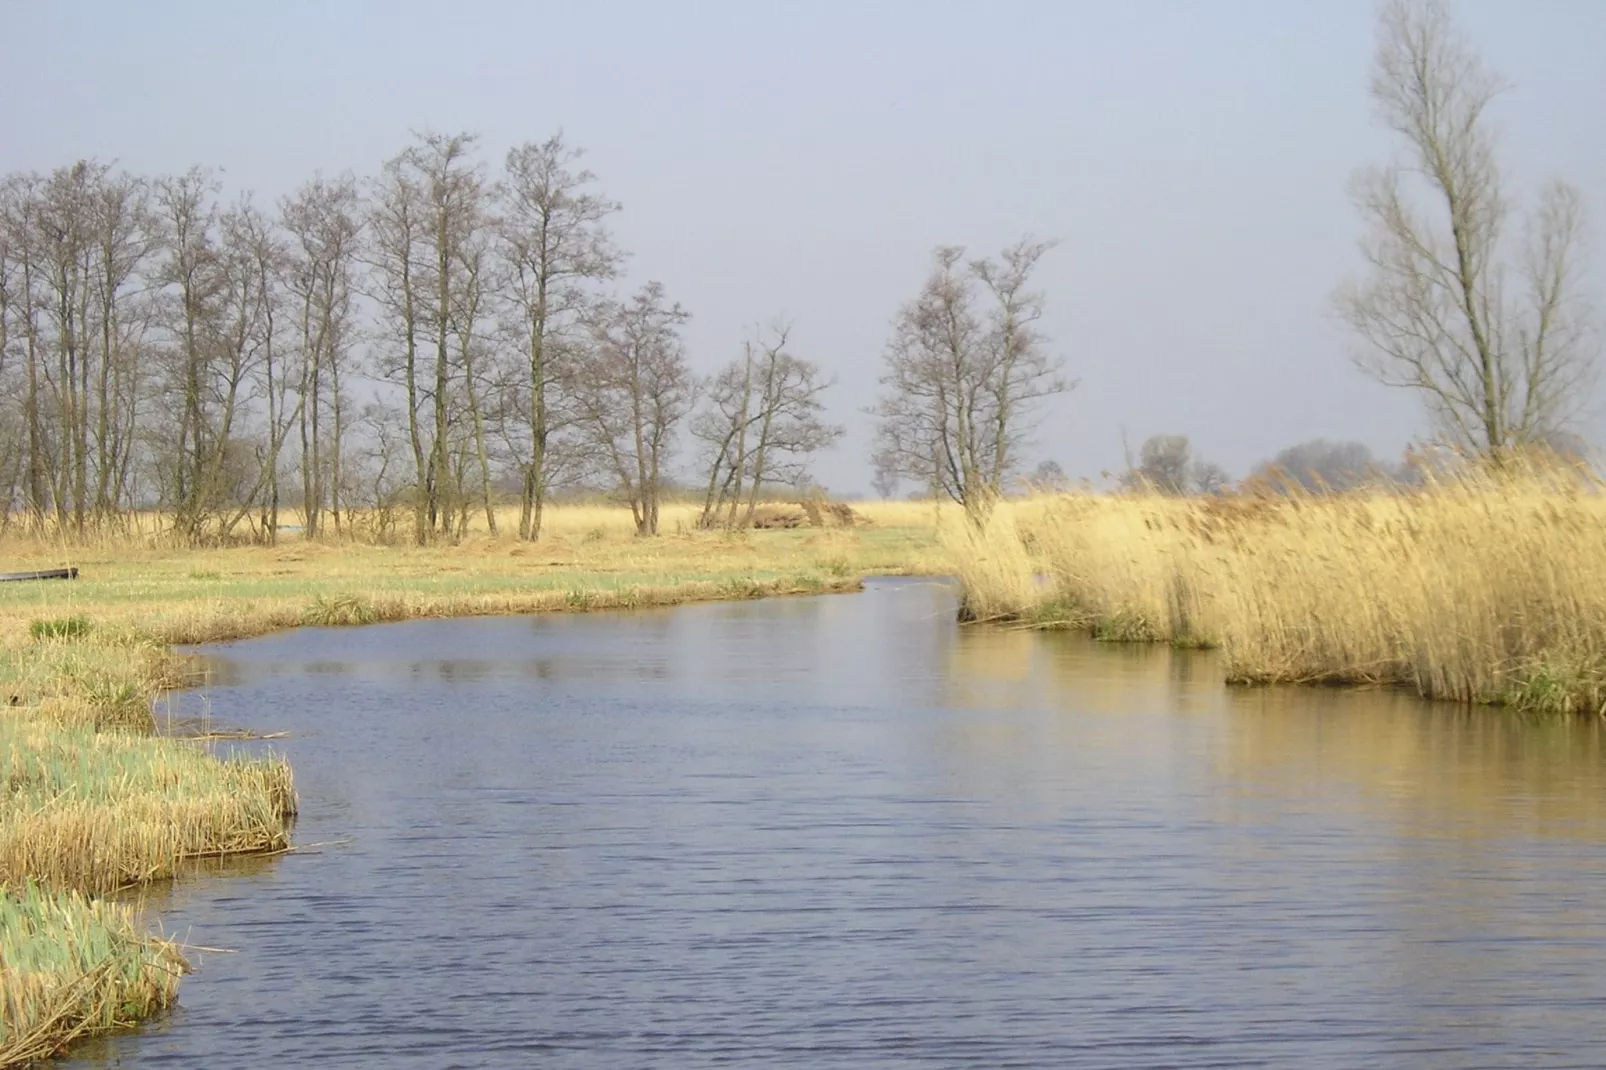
844,832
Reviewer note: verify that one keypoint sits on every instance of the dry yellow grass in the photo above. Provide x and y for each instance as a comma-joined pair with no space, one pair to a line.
1483,589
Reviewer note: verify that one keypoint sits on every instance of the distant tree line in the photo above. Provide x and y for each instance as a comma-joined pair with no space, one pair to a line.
397,345
1167,465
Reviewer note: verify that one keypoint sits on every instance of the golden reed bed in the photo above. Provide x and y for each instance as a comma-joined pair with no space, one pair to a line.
1490,588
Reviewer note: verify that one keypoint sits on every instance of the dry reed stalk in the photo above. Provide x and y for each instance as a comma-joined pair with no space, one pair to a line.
1488,588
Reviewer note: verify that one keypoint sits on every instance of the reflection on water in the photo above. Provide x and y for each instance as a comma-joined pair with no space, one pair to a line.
841,831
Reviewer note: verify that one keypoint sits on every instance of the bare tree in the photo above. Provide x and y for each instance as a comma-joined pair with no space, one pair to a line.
18,210
324,225
632,391
429,207
761,424
122,238
223,266
475,267
555,240
884,482
12,441
1494,334
219,326
966,369
1208,477
396,252
1167,465
1164,465
258,251
82,233
1320,466
1049,476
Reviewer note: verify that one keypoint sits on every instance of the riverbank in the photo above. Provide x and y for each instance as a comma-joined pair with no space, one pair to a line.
104,803
1478,590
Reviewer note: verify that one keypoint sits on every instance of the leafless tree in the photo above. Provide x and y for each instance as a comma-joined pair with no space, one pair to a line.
258,251
556,243
122,239
396,251
75,240
1164,463
1049,476
1208,477
429,209
1493,332
966,370
220,324
884,482
632,390
471,325
1320,466
762,422
1167,465
12,440
323,225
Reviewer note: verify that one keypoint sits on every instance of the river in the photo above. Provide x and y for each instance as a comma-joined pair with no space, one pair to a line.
843,831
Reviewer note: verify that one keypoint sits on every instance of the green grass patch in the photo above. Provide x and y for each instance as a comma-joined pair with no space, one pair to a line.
339,610
75,627
1557,685
75,967
1125,627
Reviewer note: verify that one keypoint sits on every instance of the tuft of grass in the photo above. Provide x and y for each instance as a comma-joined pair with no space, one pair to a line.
1553,686
340,610
75,966
117,702
95,811
838,567
1125,627
75,627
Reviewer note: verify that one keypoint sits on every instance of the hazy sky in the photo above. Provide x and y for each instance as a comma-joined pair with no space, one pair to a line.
805,158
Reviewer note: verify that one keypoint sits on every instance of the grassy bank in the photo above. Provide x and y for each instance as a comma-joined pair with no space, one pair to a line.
96,802
1484,589
74,966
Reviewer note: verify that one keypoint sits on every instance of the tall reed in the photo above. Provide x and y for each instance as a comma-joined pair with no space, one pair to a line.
1490,587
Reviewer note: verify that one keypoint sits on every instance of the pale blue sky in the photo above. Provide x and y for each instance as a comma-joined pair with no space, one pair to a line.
804,158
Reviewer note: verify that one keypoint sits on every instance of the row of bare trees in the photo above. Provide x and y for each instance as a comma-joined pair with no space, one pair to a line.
402,345
416,339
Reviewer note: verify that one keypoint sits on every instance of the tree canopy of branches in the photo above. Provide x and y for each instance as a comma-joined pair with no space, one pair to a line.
966,371
632,390
554,237
323,225
1319,466
1049,475
761,422
1490,328
1166,465
414,339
